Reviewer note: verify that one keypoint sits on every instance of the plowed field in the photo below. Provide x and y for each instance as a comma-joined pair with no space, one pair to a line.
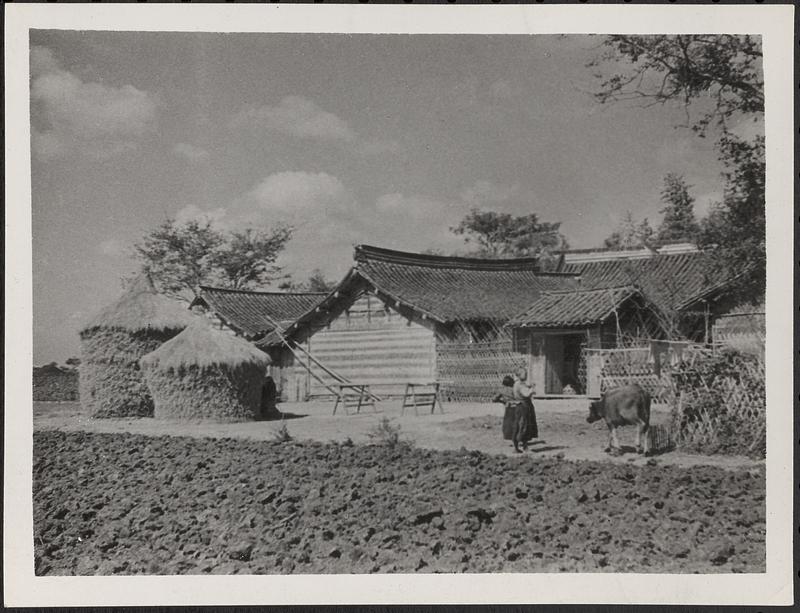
134,504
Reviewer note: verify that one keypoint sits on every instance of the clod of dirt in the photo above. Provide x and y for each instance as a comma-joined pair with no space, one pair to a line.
263,508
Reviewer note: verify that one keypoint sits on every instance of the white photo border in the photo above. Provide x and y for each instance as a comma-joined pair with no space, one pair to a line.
775,587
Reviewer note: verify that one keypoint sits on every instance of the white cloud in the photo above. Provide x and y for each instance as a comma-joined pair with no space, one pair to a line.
89,118
296,193
298,116
189,152
217,217
113,247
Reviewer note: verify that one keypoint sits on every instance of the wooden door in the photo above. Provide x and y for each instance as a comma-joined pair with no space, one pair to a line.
554,364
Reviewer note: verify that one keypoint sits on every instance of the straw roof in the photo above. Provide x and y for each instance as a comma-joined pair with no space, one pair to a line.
203,346
141,307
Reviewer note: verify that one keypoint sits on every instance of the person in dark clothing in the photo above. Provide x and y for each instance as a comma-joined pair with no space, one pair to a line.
269,398
524,392
516,418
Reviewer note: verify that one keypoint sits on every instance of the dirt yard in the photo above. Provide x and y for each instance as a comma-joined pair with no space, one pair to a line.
147,497
563,429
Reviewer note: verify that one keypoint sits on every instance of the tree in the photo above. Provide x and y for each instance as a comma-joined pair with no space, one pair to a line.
736,227
629,234
247,258
679,222
73,362
180,257
500,235
722,72
318,283
722,77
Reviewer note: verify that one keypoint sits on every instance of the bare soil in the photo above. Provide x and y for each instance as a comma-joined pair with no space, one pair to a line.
136,504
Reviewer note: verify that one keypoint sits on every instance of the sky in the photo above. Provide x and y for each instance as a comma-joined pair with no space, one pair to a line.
386,140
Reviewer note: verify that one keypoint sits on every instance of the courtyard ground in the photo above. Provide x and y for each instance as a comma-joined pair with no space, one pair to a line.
563,430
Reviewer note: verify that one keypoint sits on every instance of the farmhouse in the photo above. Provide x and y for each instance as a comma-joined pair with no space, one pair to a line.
402,317
399,318
670,293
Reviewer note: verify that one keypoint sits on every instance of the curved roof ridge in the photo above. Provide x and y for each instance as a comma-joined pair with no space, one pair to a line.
261,292
371,253
585,290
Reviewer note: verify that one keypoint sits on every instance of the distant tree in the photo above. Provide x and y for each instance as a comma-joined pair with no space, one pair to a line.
73,362
630,234
180,257
318,283
247,258
502,235
723,73
679,222
736,227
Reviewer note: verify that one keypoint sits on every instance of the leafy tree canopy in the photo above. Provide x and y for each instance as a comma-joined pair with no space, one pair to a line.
736,227
723,73
180,257
679,222
502,235
316,282
630,234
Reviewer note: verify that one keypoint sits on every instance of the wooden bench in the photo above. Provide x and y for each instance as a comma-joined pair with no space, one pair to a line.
353,395
421,395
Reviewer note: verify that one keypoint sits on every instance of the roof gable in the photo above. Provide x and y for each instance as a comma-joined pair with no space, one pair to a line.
574,308
256,313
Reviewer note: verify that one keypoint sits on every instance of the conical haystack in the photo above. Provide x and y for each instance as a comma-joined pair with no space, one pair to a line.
205,374
111,383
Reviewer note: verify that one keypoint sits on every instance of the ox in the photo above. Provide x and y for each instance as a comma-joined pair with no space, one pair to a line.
624,406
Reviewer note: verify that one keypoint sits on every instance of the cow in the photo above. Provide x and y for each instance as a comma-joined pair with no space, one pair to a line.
628,405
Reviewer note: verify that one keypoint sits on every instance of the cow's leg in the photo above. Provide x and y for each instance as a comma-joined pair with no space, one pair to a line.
610,439
614,439
643,430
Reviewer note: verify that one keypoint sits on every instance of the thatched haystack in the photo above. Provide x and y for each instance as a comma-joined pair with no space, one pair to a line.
205,374
111,383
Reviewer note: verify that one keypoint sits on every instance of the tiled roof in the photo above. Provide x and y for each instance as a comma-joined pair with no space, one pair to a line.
256,313
457,288
681,278
574,308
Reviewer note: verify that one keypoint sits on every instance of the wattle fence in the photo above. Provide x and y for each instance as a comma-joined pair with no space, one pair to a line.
717,394
472,372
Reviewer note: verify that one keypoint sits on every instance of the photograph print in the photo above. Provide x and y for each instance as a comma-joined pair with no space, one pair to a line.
375,304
